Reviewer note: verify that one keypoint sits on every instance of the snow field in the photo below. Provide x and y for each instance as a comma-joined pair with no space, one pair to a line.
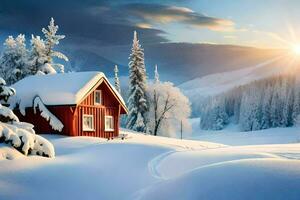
148,167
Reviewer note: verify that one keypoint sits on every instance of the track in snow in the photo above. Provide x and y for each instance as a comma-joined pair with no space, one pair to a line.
154,164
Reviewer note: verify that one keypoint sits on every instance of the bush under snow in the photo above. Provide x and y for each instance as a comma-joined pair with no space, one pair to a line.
20,134
22,137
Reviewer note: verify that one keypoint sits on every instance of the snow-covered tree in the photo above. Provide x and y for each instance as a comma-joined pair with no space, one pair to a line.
42,52
215,116
156,75
270,102
117,81
13,61
37,56
250,112
137,101
168,108
266,107
20,134
296,105
6,114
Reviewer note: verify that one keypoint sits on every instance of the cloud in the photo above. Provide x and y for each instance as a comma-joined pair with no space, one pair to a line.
163,14
84,23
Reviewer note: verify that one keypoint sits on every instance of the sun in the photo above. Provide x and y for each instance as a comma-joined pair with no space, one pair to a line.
296,49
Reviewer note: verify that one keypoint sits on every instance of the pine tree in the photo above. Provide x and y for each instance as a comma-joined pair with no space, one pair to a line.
156,75
43,50
6,114
37,57
266,106
117,81
137,101
276,105
296,106
13,61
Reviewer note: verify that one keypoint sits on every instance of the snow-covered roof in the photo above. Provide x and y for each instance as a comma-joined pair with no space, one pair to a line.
57,89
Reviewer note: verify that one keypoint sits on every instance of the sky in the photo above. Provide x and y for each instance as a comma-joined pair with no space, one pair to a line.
99,32
267,24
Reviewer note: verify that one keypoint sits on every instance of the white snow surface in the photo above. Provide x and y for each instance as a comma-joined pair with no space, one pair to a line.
56,89
148,167
232,135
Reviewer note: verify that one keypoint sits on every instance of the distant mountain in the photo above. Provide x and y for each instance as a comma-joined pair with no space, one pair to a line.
200,89
81,60
178,62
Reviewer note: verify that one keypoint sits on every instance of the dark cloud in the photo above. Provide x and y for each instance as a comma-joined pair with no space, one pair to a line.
90,21
149,13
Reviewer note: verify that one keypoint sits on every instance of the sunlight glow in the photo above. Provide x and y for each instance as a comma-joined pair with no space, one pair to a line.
296,49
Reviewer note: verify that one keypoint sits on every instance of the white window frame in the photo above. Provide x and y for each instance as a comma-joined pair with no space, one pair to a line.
85,128
113,123
101,100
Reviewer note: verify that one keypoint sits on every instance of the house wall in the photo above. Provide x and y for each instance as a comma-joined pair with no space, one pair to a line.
41,125
110,107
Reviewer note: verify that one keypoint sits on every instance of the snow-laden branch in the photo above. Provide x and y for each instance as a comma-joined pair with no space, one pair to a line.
22,137
55,123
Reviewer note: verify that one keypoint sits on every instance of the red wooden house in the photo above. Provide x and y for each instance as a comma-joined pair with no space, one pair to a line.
73,104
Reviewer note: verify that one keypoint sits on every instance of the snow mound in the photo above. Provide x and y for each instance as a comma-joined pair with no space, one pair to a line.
8,153
244,179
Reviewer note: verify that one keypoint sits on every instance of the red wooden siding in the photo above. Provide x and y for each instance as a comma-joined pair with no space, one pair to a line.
63,113
110,107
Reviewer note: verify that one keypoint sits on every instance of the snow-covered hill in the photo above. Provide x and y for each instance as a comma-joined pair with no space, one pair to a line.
149,167
200,88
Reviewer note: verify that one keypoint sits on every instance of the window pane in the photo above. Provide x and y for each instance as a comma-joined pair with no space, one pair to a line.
98,97
87,123
109,123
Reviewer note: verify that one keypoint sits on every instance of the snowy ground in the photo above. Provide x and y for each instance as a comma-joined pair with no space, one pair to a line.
232,136
147,167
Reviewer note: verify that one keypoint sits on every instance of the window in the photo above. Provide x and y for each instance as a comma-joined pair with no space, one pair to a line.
98,97
109,123
88,123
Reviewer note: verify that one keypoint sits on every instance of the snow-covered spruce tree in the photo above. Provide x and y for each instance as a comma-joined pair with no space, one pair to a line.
296,105
250,112
276,106
168,108
13,61
215,116
117,81
20,134
156,75
137,101
37,57
266,107
42,52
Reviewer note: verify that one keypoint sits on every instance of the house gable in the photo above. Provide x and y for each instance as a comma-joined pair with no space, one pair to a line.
109,96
